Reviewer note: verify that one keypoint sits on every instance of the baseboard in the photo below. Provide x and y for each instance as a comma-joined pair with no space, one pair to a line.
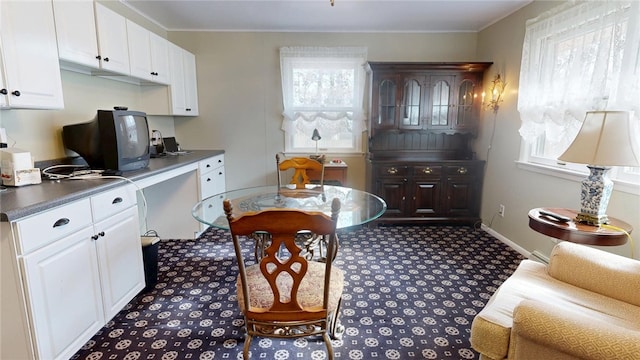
506,241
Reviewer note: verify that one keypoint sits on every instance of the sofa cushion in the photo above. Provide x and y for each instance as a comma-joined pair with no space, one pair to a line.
595,270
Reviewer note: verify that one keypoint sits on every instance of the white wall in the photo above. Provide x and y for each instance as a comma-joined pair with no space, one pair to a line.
521,190
240,94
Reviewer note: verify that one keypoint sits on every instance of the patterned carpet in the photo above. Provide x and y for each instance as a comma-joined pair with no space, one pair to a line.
411,293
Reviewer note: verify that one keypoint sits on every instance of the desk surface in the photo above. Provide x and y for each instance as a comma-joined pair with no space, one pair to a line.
578,232
357,207
18,202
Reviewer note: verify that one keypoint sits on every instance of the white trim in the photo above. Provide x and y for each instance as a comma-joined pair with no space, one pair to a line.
506,241
619,185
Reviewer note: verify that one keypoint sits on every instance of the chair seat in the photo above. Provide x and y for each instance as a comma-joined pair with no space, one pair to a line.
309,295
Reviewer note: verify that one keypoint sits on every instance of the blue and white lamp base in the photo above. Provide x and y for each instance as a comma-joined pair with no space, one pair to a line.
595,195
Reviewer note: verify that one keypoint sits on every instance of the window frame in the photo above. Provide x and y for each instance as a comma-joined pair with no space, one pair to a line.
337,58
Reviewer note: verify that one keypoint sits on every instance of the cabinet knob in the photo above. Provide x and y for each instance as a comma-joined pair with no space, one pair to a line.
94,237
99,57
188,109
106,59
392,171
101,233
3,91
462,170
208,179
427,170
15,93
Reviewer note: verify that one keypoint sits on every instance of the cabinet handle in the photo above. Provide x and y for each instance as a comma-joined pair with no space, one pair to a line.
101,233
219,161
117,200
188,109
99,57
3,91
427,170
94,237
61,222
220,173
208,179
16,93
106,59
462,170
392,171
208,165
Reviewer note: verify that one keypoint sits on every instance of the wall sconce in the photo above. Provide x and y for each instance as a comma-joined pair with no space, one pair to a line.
497,90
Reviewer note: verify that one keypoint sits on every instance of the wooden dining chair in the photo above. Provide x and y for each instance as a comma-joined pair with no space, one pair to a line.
300,165
284,295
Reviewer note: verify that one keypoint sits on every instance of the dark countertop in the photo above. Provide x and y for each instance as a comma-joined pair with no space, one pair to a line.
18,202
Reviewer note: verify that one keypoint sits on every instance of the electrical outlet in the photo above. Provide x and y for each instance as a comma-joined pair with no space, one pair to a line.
501,210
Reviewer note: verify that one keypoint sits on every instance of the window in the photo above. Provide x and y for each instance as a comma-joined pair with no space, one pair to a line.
323,89
578,57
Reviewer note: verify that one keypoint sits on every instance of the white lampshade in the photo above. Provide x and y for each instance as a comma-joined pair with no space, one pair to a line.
607,138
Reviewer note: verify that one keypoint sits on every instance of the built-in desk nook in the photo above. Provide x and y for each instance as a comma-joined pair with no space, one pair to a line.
71,255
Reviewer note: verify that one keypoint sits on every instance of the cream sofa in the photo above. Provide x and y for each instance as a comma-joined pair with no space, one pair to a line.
584,305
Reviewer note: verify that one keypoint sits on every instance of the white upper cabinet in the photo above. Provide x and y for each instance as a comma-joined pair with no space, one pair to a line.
148,54
160,58
30,73
76,32
111,28
184,86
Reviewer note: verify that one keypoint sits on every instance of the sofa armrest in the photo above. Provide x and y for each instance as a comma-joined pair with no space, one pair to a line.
537,328
596,270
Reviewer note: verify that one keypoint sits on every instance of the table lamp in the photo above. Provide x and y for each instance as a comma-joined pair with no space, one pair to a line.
315,137
606,138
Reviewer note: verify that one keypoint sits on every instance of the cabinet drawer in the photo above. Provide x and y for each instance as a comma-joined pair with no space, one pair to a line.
392,170
427,170
212,183
462,169
46,227
112,202
211,163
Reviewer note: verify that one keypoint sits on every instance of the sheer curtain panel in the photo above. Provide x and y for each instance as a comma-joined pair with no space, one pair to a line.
323,88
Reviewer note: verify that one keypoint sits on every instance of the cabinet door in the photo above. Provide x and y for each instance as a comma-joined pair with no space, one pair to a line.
391,184
385,101
76,32
427,191
139,51
159,59
190,83
120,259
462,191
412,98
177,86
441,101
468,103
394,192
111,28
63,283
30,55
184,86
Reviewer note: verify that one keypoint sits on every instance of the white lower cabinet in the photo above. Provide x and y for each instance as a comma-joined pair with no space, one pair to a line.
64,296
77,271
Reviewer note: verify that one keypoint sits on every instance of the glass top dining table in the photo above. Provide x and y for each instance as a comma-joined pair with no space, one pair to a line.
357,207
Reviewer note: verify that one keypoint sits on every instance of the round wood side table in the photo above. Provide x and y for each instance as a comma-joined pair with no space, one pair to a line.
578,232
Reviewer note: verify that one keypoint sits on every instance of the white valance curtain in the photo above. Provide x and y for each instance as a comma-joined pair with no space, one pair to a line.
323,88
580,56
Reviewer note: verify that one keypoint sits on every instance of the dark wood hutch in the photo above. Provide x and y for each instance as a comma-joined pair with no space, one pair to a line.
423,117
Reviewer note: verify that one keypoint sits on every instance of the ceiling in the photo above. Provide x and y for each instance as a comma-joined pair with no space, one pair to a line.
319,16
